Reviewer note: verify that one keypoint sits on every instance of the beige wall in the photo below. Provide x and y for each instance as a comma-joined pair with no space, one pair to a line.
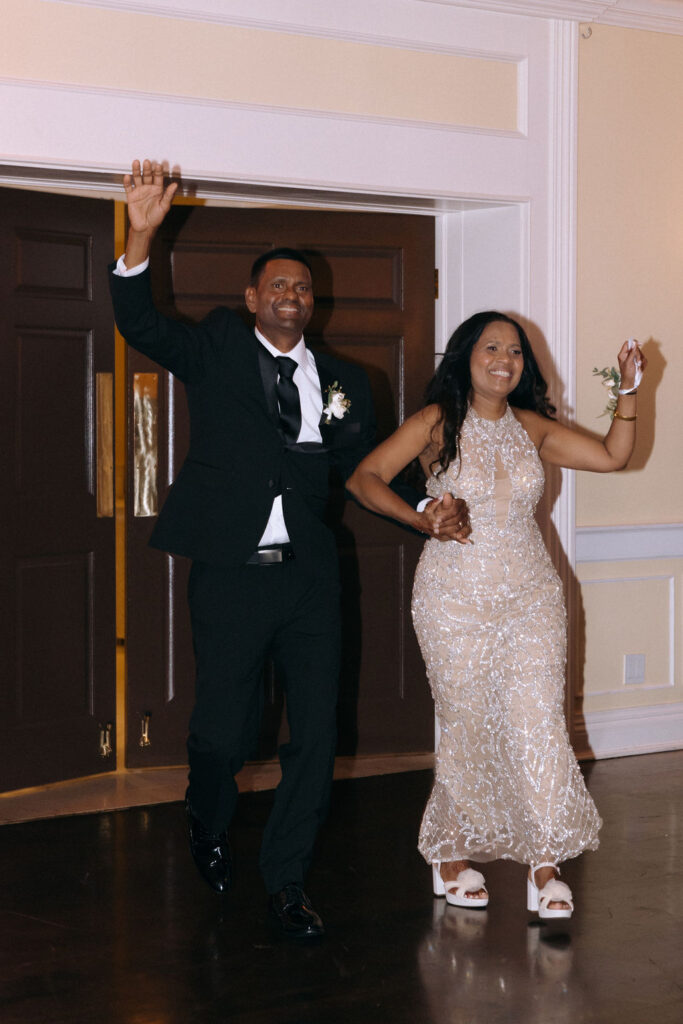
630,274
630,259
74,45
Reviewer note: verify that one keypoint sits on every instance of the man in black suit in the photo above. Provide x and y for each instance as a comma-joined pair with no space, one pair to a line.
268,419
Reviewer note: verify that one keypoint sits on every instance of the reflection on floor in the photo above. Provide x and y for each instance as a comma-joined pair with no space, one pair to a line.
103,918
139,787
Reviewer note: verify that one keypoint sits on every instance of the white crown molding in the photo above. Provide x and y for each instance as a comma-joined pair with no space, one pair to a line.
624,543
381,24
567,10
620,732
309,17
650,15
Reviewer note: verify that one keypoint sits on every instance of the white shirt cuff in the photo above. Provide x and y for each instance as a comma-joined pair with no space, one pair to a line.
123,271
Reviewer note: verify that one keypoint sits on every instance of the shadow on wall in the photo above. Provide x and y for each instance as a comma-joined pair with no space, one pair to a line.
647,406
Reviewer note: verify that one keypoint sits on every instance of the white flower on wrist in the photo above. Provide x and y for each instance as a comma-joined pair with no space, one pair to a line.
611,379
337,403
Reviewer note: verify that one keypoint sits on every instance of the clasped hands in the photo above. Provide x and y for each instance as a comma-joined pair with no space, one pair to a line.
447,518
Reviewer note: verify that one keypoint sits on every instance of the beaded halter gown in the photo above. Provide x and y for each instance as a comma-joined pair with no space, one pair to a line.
491,624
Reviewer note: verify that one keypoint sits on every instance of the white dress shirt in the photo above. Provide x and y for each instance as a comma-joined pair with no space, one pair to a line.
310,396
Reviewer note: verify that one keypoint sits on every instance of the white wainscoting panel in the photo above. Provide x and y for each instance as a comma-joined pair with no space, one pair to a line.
623,731
620,543
632,617
629,615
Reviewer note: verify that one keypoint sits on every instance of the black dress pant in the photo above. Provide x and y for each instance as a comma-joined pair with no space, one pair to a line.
239,616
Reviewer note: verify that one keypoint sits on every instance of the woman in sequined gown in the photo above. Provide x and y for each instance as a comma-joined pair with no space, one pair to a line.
489,612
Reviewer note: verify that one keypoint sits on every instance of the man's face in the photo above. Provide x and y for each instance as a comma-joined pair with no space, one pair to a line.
282,302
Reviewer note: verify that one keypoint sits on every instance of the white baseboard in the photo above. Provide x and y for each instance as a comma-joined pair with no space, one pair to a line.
618,543
642,730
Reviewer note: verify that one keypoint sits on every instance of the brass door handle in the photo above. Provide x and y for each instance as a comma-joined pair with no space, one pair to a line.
104,431
146,443
105,745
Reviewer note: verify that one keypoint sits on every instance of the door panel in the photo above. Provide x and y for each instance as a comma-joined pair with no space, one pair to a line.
57,630
373,280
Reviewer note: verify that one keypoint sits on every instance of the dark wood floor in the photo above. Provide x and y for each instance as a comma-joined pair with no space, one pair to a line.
103,918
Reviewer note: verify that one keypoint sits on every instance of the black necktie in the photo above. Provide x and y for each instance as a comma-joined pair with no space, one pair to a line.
288,399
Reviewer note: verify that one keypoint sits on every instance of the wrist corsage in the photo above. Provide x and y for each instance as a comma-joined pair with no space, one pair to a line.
611,379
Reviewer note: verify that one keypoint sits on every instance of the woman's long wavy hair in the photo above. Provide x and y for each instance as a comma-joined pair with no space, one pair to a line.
451,386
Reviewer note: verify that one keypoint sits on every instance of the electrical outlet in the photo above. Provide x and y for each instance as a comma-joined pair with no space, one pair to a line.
634,669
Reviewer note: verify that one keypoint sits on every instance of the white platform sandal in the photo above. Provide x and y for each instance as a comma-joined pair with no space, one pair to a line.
554,891
456,890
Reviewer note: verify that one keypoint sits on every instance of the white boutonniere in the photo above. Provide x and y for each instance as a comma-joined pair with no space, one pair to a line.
337,403
611,379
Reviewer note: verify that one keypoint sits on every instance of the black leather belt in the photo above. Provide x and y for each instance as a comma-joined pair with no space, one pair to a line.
272,555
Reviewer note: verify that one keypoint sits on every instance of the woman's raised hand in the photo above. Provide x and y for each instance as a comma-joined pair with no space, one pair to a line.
148,201
630,359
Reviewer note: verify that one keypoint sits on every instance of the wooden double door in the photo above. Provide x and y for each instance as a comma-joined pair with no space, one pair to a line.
373,280
57,597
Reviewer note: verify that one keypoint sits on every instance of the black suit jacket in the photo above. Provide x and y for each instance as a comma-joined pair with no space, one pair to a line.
238,461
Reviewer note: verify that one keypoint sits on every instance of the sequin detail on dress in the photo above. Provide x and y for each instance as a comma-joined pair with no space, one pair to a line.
491,624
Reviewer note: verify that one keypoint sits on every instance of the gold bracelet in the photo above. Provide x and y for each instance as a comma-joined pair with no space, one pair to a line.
618,416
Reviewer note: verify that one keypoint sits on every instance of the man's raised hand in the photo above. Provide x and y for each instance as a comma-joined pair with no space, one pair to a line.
148,203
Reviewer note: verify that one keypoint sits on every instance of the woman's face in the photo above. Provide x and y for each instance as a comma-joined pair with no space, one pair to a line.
496,361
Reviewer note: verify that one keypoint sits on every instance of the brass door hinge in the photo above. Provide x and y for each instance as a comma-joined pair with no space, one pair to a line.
436,284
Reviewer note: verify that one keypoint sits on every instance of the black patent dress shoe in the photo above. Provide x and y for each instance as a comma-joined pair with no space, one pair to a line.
211,853
293,911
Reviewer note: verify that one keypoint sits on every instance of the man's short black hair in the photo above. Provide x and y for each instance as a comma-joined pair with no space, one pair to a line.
281,253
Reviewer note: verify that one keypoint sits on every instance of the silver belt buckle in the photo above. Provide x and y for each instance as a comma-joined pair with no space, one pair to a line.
269,556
